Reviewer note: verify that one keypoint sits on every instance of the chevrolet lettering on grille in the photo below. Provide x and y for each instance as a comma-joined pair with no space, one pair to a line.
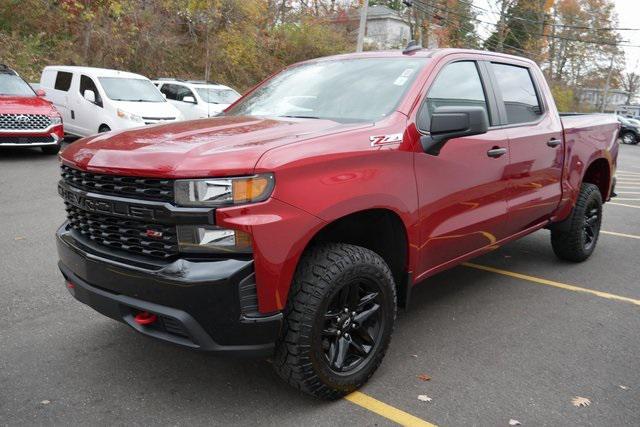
82,201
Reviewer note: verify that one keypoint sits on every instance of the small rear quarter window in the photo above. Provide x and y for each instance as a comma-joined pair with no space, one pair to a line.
63,81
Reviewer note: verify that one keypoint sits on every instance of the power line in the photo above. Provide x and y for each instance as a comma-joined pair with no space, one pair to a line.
444,9
549,24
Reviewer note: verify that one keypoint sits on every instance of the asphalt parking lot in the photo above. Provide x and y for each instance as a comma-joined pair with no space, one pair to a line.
516,335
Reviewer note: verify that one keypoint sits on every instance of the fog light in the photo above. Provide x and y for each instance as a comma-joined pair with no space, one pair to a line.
212,239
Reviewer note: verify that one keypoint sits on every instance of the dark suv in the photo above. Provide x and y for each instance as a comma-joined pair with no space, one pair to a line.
629,130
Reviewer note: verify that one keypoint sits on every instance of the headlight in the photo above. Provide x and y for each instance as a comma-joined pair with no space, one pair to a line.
56,120
212,239
224,191
129,116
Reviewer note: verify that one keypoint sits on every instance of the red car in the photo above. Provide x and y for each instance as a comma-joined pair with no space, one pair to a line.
297,222
26,118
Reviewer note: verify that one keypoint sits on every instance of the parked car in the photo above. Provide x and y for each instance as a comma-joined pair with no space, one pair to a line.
295,224
26,118
629,130
95,100
197,99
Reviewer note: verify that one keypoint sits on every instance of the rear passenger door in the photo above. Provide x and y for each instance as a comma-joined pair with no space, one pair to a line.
536,146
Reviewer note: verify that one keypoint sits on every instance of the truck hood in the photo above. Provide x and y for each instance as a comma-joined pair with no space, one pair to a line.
219,146
25,105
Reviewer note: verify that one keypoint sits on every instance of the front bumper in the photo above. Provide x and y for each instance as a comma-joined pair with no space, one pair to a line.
198,302
29,140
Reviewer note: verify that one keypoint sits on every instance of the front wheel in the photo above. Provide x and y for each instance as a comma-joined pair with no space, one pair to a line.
338,320
578,241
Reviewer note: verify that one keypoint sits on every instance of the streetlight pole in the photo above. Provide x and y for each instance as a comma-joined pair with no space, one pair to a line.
363,25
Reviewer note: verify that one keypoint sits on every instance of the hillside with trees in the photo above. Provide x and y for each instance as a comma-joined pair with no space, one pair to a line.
241,42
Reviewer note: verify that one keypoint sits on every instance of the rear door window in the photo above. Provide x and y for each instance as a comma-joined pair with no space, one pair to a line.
519,94
63,81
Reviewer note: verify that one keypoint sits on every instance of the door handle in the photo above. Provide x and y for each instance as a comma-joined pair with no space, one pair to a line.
496,152
553,142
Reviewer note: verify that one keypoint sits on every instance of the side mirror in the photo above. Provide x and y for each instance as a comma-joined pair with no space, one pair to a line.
453,122
89,95
189,99
41,93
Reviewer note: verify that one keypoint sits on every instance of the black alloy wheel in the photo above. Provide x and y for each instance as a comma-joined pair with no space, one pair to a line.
353,326
576,237
592,219
338,320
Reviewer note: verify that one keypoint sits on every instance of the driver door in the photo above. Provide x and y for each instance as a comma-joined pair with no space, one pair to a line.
462,192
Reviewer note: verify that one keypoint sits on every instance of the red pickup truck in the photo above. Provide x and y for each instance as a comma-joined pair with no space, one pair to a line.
297,222
26,118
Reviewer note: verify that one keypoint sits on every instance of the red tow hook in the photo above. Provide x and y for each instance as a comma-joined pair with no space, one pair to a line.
145,318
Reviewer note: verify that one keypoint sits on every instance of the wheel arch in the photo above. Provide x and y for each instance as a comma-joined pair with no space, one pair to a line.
380,230
599,173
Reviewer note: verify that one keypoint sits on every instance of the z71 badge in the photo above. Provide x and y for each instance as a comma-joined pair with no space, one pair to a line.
395,138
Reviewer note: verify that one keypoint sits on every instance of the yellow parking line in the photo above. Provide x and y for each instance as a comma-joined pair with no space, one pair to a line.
546,282
387,411
622,204
613,233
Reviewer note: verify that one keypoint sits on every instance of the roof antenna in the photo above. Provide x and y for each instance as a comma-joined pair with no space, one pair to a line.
412,46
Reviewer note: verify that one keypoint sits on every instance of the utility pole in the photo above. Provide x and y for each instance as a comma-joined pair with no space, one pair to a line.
363,25
606,84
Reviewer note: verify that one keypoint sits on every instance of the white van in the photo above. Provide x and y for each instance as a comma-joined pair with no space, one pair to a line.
95,100
197,99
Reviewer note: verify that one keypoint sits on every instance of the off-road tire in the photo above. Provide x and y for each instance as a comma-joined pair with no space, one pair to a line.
570,244
51,149
322,271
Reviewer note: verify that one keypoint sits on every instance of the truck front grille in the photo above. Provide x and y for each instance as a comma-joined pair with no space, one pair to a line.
155,240
123,186
24,122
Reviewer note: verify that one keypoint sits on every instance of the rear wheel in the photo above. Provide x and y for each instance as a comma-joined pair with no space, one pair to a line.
577,242
338,320
629,138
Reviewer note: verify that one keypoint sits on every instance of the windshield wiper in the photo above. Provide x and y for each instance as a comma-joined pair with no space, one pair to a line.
301,117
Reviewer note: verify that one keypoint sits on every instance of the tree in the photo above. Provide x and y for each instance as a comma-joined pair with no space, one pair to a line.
631,83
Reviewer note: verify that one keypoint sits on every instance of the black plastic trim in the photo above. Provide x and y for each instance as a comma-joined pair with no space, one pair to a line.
200,298
138,209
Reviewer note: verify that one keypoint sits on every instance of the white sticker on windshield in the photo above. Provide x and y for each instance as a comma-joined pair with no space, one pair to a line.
400,81
407,72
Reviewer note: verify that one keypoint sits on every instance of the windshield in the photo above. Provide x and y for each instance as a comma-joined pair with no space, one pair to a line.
13,85
134,90
364,89
217,96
